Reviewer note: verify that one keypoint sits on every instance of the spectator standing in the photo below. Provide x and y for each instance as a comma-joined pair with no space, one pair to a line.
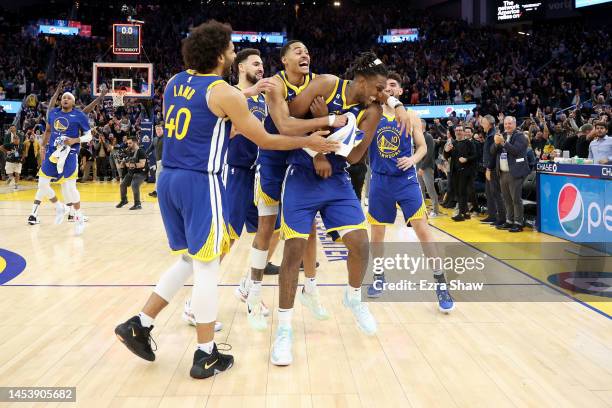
136,174
495,204
583,141
14,158
101,150
512,167
425,173
462,154
31,153
157,144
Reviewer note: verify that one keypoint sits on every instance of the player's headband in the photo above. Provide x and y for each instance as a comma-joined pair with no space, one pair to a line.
70,95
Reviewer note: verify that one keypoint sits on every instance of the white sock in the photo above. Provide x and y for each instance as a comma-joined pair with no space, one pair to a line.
35,209
59,205
284,317
255,290
259,258
206,347
310,285
353,293
78,214
145,320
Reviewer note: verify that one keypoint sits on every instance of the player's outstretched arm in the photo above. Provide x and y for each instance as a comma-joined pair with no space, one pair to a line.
368,126
89,108
285,123
54,97
228,101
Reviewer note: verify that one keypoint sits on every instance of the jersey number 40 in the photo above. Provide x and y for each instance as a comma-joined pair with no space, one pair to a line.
178,123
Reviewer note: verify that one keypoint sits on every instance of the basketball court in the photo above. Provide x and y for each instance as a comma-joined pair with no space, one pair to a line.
57,317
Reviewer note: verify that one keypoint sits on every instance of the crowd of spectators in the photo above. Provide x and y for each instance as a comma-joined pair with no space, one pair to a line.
555,79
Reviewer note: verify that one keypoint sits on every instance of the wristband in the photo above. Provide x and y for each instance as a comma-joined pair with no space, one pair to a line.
330,120
393,102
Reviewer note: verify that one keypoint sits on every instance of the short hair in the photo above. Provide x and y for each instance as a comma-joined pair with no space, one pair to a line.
490,119
511,117
367,64
459,126
242,55
602,124
468,127
205,44
133,139
395,76
285,48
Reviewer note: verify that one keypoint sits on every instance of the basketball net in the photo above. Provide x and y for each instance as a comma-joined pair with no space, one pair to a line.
118,98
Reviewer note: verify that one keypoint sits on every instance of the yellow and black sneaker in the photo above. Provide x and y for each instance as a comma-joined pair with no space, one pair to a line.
136,338
206,365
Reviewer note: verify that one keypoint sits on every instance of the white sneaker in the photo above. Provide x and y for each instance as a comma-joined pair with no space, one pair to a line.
255,317
281,349
60,211
361,313
33,219
189,317
434,214
242,293
313,302
79,225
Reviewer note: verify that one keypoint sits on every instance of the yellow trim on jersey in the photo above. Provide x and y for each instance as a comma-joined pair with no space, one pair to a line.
361,226
288,233
419,214
374,221
213,84
207,253
192,72
60,180
331,97
297,89
359,118
261,196
344,105
232,233
390,118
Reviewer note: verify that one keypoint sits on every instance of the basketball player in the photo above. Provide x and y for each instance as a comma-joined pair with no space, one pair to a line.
198,107
66,129
324,186
86,110
239,174
271,169
394,180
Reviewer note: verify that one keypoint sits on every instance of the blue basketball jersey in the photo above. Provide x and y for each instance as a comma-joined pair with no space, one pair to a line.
336,105
68,124
242,152
194,137
387,146
279,157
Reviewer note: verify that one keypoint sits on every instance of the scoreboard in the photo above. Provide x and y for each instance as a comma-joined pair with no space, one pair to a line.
127,39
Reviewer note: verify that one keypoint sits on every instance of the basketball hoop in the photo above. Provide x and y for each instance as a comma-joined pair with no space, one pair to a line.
118,98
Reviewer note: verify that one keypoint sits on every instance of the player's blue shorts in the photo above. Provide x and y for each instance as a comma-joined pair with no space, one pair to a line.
386,191
269,183
193,207
305,193
239,184
71,169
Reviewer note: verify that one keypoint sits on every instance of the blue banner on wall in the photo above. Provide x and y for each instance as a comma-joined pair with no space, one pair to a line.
576,209
146,138
10,106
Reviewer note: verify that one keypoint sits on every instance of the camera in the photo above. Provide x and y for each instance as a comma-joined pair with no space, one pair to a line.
128,10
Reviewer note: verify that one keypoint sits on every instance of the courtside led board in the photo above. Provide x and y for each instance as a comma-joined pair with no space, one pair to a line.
127,39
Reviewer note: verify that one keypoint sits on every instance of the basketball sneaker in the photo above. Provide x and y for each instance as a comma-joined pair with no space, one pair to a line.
255,317
33,219
79,225
445,300
60,211
189,317
281,349
206,365
242,293
313,302
136,338
361,313
378,282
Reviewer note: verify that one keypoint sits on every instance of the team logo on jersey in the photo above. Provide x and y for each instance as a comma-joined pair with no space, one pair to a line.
11,265
388,142
570,210
61,124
